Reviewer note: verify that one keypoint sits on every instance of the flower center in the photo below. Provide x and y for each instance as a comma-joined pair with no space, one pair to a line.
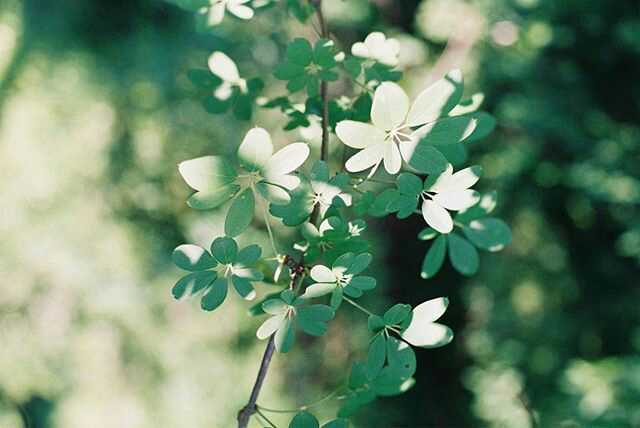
343,279
401,134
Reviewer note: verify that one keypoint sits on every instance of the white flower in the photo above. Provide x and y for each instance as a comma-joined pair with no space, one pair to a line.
215,12
449,191
423,330
391,136
224,67
270,173
325,193
378,48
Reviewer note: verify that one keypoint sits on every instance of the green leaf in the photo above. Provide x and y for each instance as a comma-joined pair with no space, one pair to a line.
427,234
352,66
434,258
243,287
249,255
397,314
192,283
336,298
203,79
216,295
207,172
358,375
376,356
240,213
489,233
313,319
409,184
285,336
224,249
395,378
192,258
213,198
375,323
215,105
383,201
485,206
300,52
258,308
323,53
288,71
463,255
304,420
426,159
448,130
337,423
485,126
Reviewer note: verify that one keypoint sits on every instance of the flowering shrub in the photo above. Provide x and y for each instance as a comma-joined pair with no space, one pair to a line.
417,144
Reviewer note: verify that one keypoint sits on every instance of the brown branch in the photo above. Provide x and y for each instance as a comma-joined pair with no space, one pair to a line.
324,95
244,415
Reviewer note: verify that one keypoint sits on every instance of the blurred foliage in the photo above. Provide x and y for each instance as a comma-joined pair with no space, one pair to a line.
96,111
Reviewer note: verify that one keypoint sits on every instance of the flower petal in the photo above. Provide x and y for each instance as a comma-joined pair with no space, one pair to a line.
437,217
437,100
288,181
358,134
457,200
361,50
439,183
430,310
240,11
392,159
272,193
216,14
223,66
464,178
287,159
428,336
256,148
270,326
390,106
321,273
318,289
370,156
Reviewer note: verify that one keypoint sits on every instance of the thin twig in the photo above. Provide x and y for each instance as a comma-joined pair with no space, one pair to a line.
324,95
250,408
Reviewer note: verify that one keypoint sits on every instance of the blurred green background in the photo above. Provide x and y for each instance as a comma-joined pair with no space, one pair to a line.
96,111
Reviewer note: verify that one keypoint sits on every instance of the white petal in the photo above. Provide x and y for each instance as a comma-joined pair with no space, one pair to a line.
216,14
242,12
318,289
375,42
457,200
287,159
430,310
439,183
223,67
433,101
358,134
361,50
464,178
273,193
256,148
270,326
322,273
428,336
287,181
437,217
392,159
366,158
390,106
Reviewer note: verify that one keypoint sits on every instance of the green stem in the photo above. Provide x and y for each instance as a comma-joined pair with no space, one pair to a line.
357,305
329,396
